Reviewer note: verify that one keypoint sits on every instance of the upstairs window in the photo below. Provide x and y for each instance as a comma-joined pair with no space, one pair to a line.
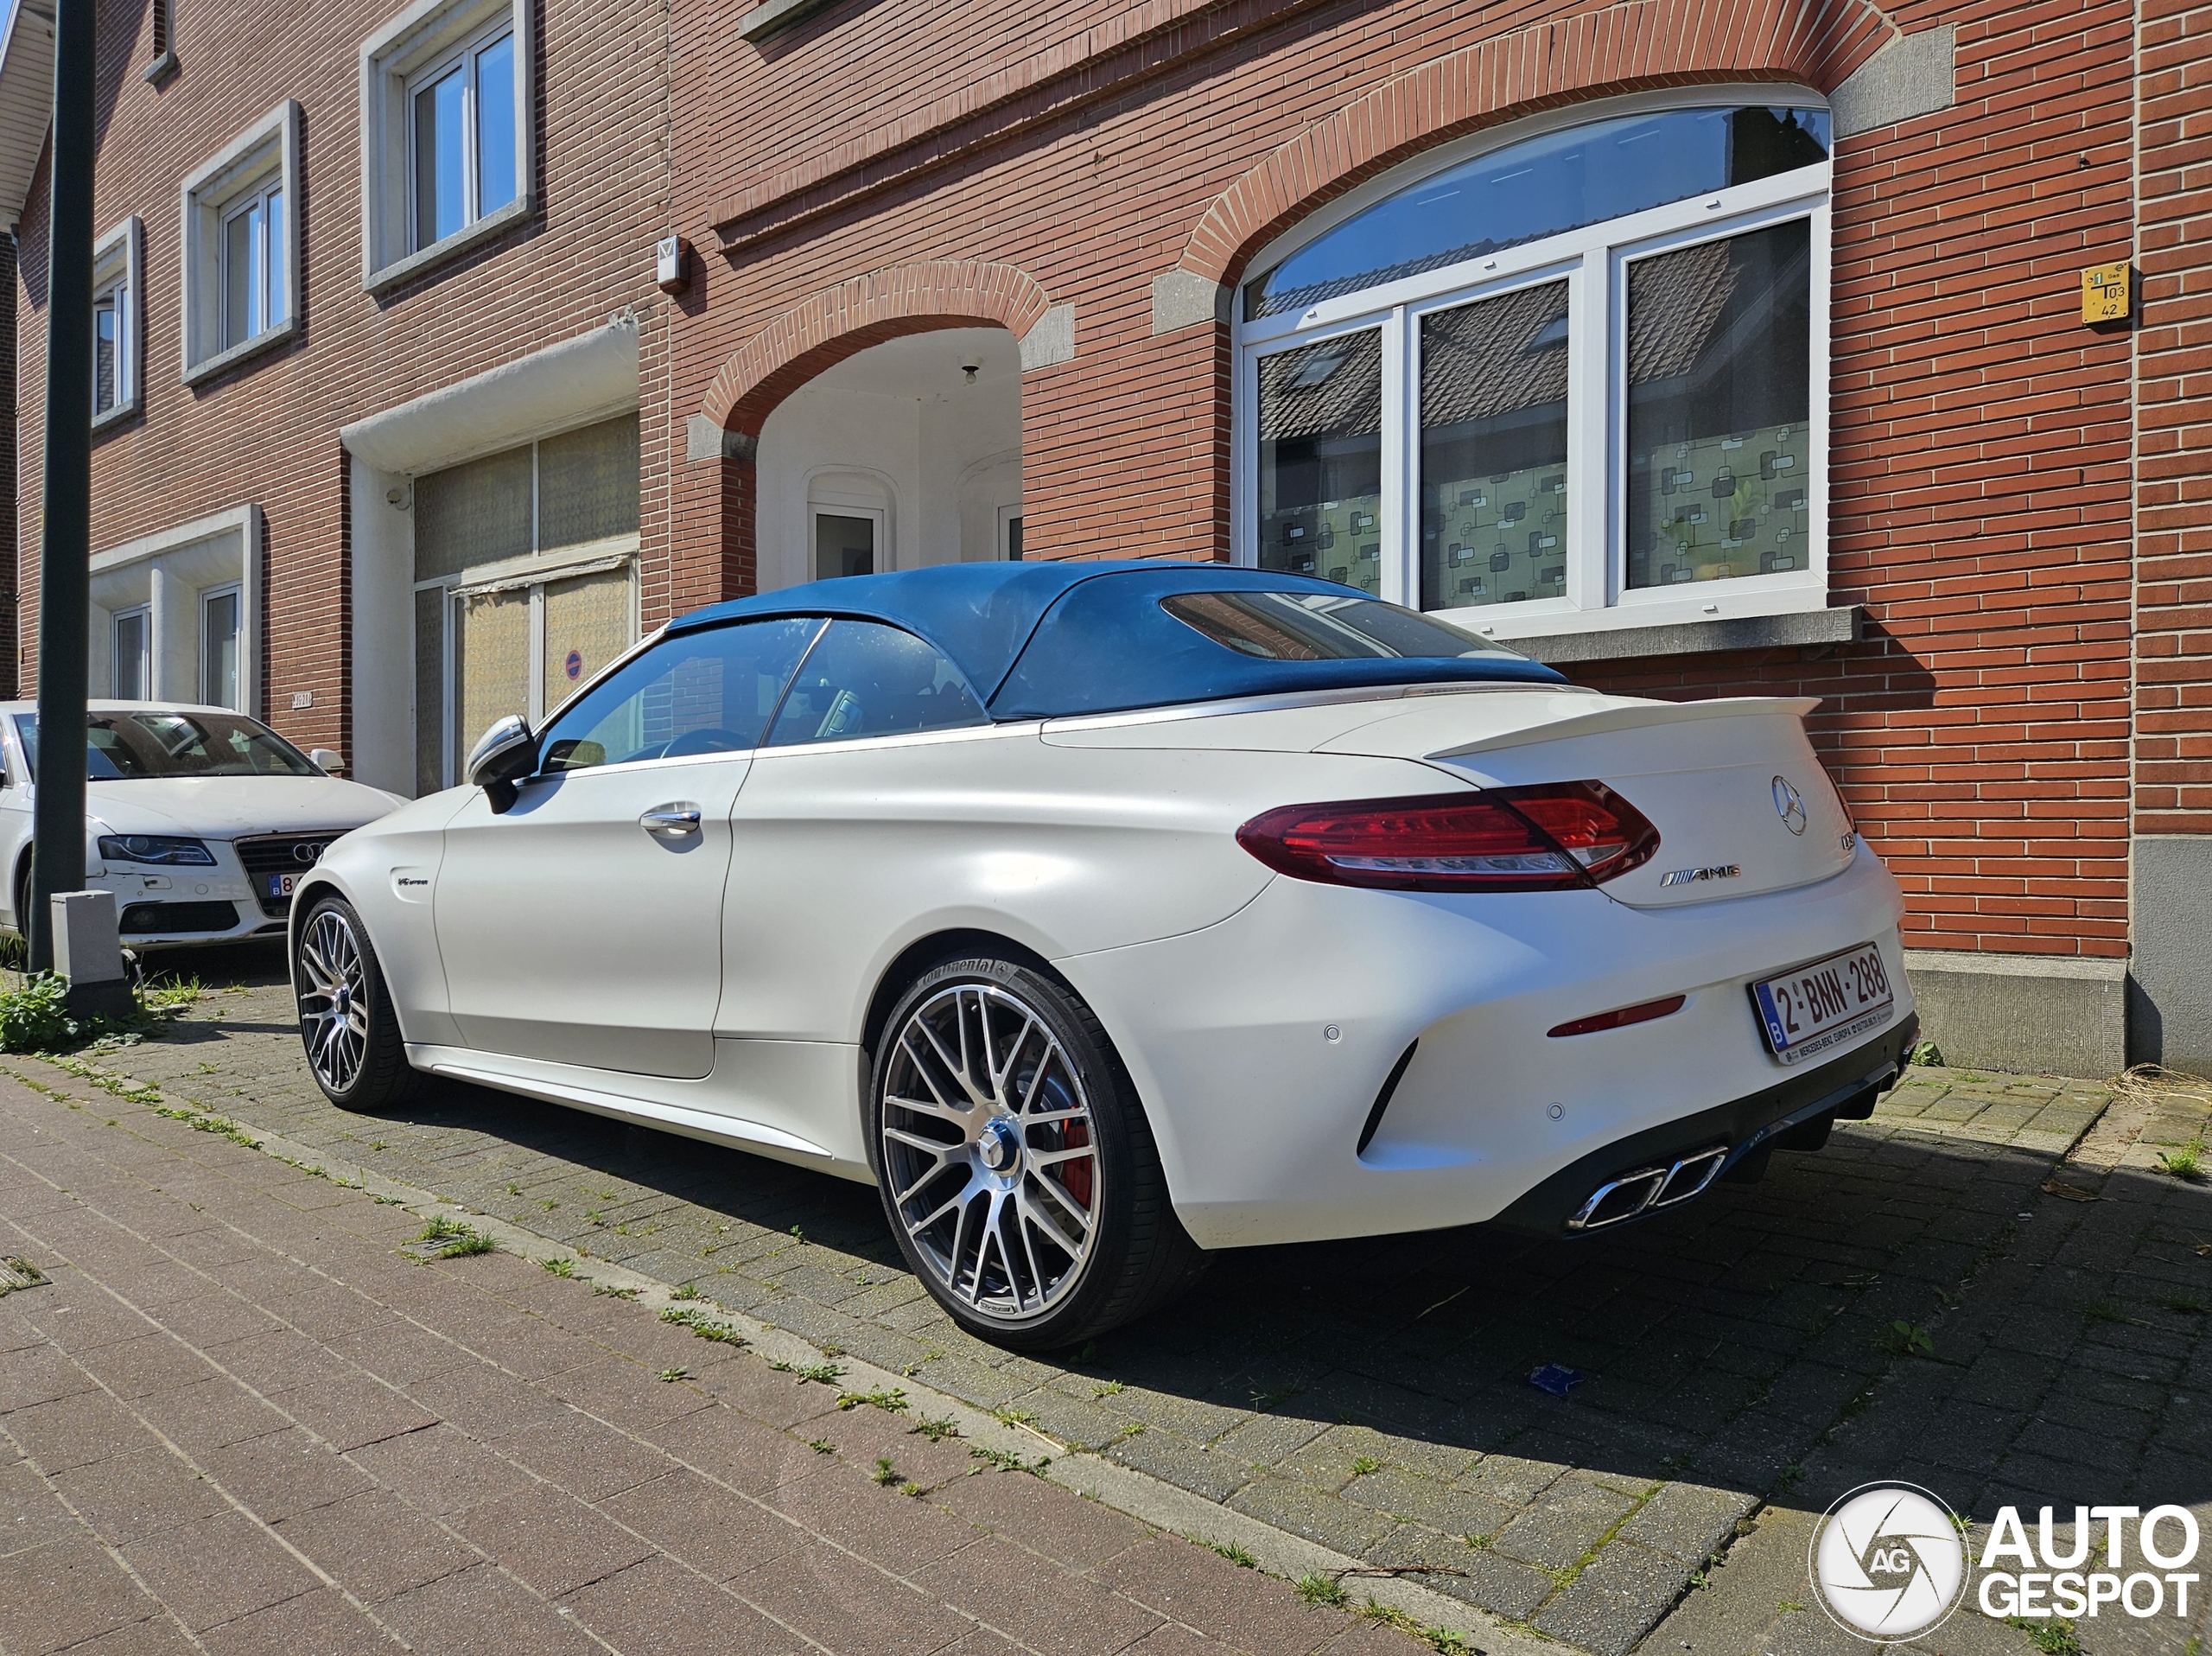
445,103
463,136
241,247
1569,380
116,383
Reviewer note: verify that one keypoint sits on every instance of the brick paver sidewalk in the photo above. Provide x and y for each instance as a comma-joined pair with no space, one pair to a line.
242,1416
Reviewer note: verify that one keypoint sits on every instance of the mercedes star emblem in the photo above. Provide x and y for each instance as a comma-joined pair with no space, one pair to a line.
1789,804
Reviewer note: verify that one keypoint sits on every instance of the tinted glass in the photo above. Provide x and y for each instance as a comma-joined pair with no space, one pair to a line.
124,747
701,693
272,310
1493,449
866,679
1319,627
1321,460
1719,347
219,650
131,656
106,351
1560,182
237,278
438,204
495,126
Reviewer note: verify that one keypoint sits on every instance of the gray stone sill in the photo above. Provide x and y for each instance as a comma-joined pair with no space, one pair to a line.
765,19
116,416
461,241
224,361
159,69
1810,629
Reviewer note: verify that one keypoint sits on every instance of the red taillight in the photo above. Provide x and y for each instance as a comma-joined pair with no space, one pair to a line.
1545,838
1622,1018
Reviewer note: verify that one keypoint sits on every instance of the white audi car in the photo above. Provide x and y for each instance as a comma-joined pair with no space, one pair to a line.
201,820
1105,914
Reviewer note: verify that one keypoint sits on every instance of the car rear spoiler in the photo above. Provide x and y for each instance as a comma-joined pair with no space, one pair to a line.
1634,716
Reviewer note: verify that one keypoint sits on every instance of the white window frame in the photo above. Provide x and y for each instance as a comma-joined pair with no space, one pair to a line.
166,573
118,260
264,157
143,614
407,52
466,61
236,590
819,508
1594,262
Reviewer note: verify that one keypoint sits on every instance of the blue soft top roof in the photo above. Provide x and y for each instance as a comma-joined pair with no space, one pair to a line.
1044,640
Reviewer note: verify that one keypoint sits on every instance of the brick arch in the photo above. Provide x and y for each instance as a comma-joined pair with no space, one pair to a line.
1626,47
826,328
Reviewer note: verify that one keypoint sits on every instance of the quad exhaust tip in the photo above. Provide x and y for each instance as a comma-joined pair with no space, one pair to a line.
1620,1199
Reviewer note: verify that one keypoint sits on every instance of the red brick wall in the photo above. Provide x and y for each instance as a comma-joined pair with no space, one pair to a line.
1981,436
2173,706
267,432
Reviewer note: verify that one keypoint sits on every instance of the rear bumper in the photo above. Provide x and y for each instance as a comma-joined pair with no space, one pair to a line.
1261,1045
1573,1201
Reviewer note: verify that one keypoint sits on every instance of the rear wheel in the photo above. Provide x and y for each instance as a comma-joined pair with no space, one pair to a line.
353,1039
1015,1163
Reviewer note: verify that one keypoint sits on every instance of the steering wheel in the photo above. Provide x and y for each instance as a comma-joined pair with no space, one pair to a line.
709,739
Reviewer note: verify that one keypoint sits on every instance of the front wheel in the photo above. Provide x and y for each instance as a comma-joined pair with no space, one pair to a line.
1015,1164
353,1045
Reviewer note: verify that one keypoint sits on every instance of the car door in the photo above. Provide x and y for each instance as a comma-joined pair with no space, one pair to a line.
582,925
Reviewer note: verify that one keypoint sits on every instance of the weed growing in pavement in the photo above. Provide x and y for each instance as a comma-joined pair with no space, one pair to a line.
1925,1052
1789,1477
910,1488
890,1402
1132,1429
697,1321
460,1240
609,1291
936,1430
1108,1389
1234,1553
670,1376
820,1373
1365,1464
2187,1304
563,1268
1905,1340
35,1017
1008,1415
821,1446
2053,1638
2185,1162
884,1472
2103,1311
1784,1607
1323,1590
684,1291
1479,1542
222,1125
1440,1639
1005,1461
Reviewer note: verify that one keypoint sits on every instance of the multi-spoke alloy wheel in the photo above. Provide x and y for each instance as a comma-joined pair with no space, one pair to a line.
353,1045
989,1151
1016,1166
333,1010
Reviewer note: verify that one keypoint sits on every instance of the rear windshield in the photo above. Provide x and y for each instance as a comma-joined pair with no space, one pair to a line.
1319,627
124,746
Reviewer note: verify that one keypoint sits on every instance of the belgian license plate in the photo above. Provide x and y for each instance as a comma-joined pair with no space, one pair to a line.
281,885
1814,1008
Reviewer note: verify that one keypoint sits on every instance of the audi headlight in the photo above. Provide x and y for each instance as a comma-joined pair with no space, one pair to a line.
161,849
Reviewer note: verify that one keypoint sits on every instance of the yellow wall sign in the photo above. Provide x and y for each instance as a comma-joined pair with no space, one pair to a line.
2105,293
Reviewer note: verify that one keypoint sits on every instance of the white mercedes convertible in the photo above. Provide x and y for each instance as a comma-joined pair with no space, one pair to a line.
1103,914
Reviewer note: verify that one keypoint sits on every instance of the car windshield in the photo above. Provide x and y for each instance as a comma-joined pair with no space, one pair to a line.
124,747
1318,626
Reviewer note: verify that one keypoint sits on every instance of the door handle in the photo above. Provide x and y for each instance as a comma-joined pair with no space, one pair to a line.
678,819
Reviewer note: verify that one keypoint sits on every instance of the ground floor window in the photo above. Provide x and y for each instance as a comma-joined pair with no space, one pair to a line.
1570,378
525,566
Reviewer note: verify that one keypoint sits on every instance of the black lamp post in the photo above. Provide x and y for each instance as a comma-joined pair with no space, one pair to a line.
64,552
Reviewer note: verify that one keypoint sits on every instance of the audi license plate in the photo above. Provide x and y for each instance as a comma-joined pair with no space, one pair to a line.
281,885
1816,1007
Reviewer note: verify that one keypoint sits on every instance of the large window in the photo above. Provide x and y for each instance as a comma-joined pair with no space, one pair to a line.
446,95
115,291
1574,380
462,134
241,247
526,585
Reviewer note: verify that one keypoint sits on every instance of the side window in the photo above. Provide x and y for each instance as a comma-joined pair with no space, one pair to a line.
700,693
866,679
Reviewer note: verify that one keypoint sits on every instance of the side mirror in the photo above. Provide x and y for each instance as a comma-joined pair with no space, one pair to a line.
329,762
502,754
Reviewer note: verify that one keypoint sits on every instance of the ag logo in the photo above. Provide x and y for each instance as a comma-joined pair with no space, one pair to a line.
1888,1562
